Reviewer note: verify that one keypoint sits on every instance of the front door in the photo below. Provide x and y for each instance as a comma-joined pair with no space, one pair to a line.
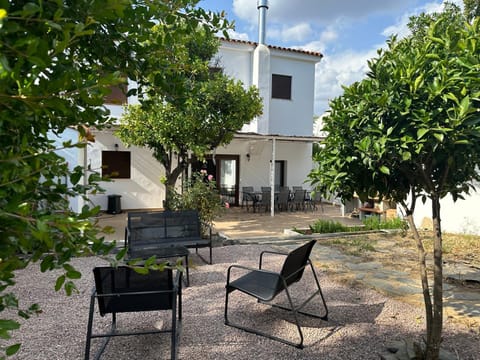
225,170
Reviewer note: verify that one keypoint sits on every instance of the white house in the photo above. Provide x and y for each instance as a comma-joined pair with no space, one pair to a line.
273,150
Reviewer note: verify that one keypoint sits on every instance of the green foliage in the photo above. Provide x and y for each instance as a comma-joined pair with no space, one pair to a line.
58,60
201,194
377,223
322,226
328,226
411,127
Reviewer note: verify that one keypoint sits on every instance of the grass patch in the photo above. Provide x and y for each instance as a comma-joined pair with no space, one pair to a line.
356,246
322,226
456,246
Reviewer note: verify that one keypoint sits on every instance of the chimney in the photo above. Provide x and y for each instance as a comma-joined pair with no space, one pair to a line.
262,6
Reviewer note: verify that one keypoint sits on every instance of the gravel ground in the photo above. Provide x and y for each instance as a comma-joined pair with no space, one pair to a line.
362,322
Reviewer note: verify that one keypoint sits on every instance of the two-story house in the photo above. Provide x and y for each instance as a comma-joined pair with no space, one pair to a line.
273,150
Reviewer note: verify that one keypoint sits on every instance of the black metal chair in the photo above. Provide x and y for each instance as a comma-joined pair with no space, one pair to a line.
282,200
265,285
298,201
248,196
121,290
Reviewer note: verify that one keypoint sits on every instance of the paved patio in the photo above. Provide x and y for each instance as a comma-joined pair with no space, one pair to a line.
237,223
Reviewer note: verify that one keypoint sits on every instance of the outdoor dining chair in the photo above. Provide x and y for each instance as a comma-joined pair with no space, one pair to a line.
248,196
265,285
122,290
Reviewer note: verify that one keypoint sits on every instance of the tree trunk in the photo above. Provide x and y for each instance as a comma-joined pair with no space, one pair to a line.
435,339
423,274
171,180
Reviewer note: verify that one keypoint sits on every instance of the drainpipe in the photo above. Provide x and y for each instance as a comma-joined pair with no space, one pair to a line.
262,6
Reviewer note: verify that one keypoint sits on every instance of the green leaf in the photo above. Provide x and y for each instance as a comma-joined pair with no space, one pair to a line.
439,136
406,155
9,325
59,283
70,287
421,133
464,106
141,270
418,82
74,274
121,254
12,349
385,170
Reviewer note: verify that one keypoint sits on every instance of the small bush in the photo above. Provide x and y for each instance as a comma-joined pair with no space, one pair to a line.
200,194
328,226
375,223
372,223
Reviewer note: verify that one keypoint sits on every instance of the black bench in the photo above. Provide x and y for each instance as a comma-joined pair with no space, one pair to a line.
149,231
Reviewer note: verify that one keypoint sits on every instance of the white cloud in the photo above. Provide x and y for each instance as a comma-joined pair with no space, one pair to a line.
323,12
297,32
326,37
400,27
236,35
336,71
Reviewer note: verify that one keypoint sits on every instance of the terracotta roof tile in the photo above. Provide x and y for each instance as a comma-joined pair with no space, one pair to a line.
281,48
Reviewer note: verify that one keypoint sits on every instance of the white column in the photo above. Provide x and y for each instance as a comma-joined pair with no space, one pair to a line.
272,179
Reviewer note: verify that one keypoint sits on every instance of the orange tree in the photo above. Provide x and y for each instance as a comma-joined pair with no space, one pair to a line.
58,60
199,111
411,128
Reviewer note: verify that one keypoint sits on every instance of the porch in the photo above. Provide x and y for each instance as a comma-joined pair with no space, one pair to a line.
237,223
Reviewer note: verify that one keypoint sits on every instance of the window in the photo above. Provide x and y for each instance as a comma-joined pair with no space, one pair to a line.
116,164
281,87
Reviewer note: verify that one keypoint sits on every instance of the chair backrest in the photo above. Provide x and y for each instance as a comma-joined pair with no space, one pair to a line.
283,196
266,188
247,191
295,188
182,224
299,196
111,283
266,198
294,265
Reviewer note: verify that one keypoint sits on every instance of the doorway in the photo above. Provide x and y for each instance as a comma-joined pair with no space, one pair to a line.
225,171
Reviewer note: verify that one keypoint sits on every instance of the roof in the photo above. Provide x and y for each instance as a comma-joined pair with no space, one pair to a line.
252,43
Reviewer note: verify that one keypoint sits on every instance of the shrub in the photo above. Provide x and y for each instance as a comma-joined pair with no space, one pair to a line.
371,223
328,226
375,223
201,194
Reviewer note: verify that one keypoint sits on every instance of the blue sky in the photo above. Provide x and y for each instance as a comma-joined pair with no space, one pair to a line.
346,32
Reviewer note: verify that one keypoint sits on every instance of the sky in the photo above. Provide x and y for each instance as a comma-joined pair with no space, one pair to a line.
346,32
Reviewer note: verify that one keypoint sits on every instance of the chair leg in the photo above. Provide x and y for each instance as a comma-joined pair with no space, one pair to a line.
317,292
203,259
89,328
261,333
295,311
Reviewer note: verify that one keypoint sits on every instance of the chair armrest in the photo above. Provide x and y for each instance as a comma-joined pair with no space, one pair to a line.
270,252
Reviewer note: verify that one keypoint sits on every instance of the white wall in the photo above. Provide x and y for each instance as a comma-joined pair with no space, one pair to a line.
143,190
73,158
295,116
461,217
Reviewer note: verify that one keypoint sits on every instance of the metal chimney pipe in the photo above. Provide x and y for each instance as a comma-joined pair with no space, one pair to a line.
262,6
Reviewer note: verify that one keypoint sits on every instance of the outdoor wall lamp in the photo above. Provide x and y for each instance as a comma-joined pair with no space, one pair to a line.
248,157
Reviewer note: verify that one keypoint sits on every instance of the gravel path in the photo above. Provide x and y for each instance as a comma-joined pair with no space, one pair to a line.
361,322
